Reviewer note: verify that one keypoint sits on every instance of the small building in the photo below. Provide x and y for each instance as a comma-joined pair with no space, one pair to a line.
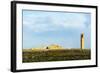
54,46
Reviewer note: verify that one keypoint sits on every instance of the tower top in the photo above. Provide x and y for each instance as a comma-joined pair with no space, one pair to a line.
82,33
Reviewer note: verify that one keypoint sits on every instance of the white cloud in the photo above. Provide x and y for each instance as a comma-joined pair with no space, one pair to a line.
71,22
54,22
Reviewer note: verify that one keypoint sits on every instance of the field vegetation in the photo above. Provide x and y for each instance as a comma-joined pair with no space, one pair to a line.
43,55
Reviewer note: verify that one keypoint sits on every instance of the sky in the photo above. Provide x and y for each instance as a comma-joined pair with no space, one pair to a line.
43,28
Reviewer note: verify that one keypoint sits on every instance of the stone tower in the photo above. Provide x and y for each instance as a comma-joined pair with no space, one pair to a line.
82,41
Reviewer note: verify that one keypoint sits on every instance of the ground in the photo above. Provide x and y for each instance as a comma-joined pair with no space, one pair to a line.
43,55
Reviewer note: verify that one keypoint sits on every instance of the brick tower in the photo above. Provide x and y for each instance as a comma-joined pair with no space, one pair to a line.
82,41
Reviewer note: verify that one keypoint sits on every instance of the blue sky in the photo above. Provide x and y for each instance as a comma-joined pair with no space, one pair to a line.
43,28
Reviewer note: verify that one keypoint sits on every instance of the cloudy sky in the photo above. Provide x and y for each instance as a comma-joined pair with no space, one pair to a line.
42,28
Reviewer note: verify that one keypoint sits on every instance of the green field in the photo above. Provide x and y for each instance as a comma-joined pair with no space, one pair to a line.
44,55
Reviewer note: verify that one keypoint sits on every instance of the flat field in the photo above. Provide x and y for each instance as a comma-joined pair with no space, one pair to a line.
47,55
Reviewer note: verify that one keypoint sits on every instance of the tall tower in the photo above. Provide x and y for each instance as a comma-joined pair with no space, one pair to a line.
82,41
